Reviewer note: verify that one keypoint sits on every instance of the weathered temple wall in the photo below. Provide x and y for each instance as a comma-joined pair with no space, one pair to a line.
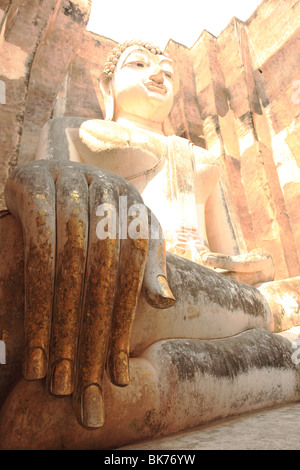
238,95
246,83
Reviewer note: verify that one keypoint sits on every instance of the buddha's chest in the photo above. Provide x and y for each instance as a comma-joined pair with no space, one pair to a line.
160,168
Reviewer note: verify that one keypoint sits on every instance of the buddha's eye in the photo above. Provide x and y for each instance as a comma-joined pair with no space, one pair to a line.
136,64
137,59
168,75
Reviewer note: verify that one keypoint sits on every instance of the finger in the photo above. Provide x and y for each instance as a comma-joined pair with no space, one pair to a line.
133,256
101,274
30,196
250,262
155,286
71,252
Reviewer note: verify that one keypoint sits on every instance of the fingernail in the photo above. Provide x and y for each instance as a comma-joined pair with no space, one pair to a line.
36,366
92,408
62,378
121,369
166,293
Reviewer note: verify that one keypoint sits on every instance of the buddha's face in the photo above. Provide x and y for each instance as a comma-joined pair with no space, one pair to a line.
142,85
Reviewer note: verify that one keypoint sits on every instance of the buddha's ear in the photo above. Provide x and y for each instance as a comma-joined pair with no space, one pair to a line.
106,90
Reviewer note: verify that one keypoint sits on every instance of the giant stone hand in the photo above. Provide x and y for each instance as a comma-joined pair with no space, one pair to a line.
81,291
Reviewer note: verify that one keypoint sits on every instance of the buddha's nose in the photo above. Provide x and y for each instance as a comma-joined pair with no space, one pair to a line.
157,76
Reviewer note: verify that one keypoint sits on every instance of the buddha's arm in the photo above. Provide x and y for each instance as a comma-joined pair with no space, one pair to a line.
222,233
211,204
226,250
54,141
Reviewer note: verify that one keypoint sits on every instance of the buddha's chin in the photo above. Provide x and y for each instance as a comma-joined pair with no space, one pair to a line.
160,107
156,93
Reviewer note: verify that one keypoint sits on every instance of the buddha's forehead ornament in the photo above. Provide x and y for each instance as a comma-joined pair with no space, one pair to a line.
116,53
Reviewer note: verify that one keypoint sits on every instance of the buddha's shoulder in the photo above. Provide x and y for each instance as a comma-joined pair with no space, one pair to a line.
200,155
206,165
203,156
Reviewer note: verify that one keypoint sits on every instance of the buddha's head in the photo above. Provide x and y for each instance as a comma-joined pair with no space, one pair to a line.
137,83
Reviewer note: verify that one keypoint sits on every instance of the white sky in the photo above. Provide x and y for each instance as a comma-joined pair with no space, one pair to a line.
158,21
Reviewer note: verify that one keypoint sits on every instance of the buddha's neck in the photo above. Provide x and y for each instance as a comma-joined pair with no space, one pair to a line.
129,120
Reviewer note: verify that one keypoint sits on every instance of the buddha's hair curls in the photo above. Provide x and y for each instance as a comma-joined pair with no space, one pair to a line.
114,56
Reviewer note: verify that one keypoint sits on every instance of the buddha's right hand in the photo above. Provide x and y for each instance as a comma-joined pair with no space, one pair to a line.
81,288
253,268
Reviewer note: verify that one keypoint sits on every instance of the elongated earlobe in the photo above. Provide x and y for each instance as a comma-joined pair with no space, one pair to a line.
106,90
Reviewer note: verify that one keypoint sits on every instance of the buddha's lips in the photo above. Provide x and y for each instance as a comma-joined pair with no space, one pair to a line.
158,87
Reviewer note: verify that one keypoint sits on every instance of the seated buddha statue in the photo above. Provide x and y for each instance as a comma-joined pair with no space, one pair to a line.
118,296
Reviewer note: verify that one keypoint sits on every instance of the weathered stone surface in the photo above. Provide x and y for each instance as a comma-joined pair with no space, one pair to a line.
227,378
234,95
231,91
20,32
292,199
245,64
271,225
185,116
12,301
36,38
55,52
210,90
80,94
232,167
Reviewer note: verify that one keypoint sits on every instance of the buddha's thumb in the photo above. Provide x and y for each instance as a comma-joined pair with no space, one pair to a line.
156,288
